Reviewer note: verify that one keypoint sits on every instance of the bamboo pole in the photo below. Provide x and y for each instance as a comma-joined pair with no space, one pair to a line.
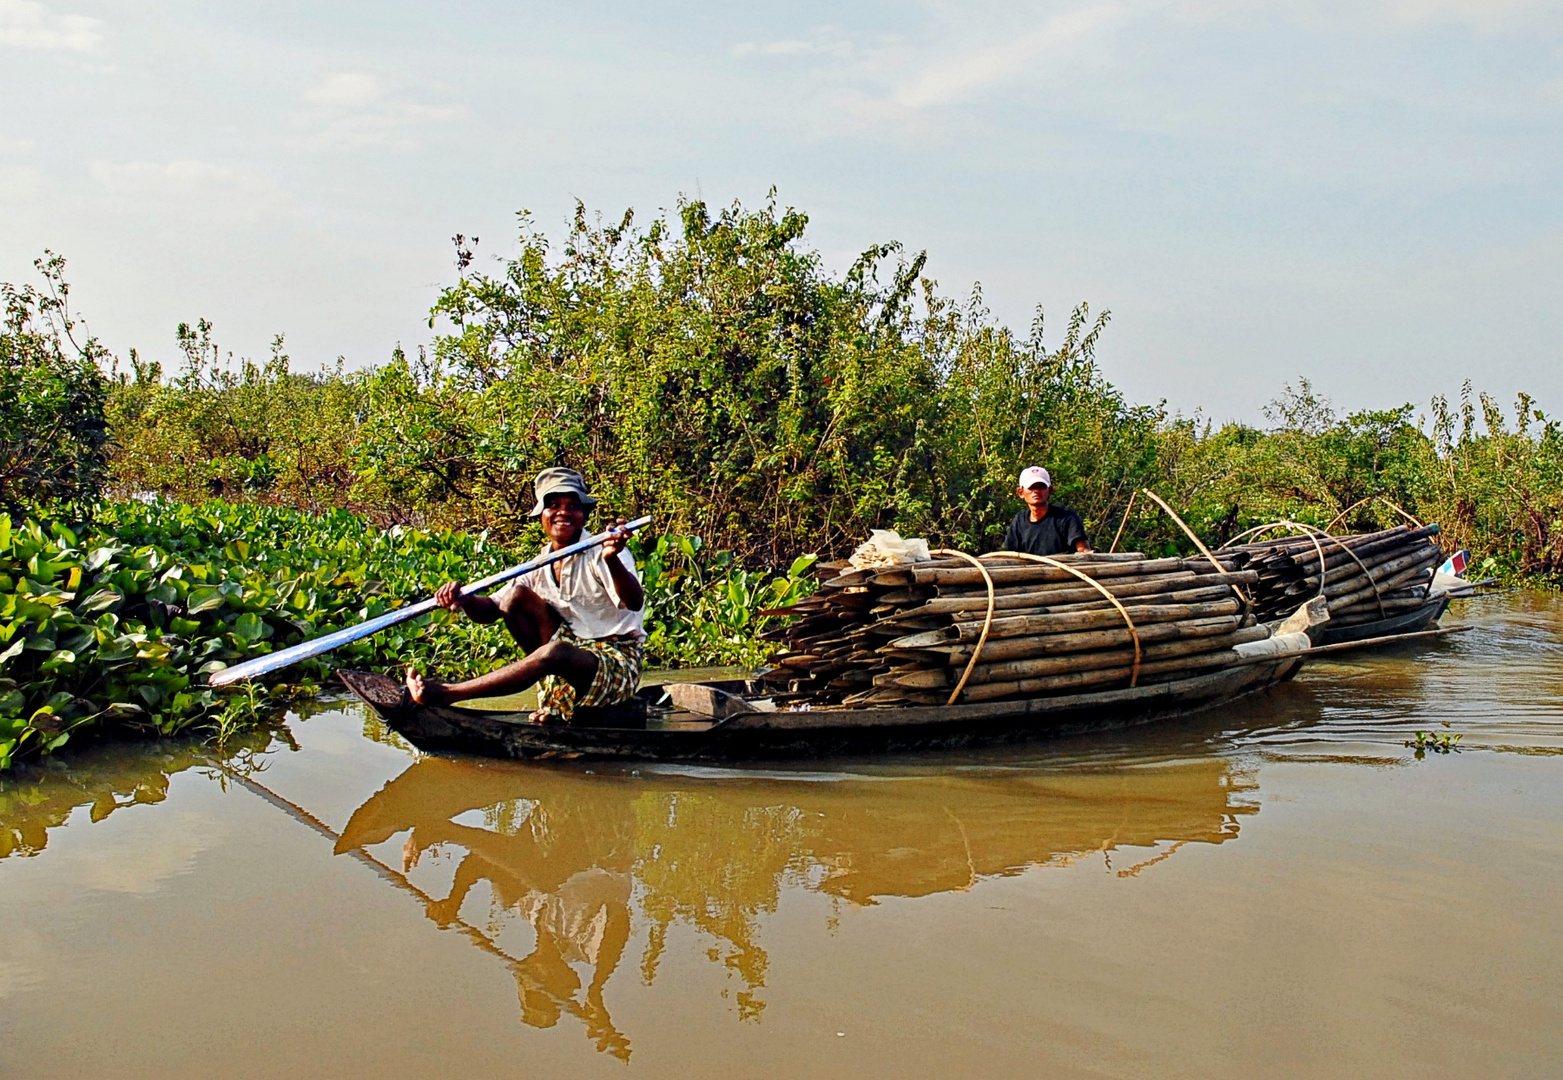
1083,641
1016,575
1052,684
1034,667
1025,625
1182,596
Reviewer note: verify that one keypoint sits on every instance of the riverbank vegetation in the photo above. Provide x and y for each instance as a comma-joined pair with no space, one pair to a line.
705,366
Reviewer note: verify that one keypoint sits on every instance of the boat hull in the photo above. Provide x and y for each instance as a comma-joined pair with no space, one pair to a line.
816,733
1410,622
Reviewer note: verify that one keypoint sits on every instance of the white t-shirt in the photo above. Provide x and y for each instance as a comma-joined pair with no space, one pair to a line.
585,595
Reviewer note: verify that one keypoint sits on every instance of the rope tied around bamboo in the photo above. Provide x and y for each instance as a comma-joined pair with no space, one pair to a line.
1198,543
1134,633
1313,532
987,621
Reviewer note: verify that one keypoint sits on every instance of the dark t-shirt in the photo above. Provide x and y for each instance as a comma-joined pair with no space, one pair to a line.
1055,534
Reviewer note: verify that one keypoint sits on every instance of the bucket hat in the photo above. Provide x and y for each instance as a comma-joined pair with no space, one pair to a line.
560,479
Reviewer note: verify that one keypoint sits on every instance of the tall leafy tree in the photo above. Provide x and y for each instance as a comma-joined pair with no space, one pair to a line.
54,438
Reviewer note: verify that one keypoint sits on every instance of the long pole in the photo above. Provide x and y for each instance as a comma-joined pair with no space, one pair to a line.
282,658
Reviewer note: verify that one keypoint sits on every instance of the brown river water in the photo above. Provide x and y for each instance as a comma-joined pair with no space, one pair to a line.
1276,888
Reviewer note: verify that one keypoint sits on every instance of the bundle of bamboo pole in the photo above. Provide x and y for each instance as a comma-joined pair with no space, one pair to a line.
1365,576
910,633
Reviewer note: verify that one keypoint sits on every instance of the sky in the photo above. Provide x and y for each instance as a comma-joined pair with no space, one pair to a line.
1366,194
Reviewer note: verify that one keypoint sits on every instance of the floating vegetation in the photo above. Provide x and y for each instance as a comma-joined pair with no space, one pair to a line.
1439,742
114,626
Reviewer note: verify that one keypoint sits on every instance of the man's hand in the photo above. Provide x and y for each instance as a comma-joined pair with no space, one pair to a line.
448,596
617,537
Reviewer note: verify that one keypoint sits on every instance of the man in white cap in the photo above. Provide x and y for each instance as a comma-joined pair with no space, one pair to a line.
1041,528
580,621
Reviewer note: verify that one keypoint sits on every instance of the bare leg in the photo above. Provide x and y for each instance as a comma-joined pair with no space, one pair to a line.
575,665
528,618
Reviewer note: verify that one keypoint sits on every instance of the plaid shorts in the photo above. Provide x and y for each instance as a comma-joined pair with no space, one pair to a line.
617,678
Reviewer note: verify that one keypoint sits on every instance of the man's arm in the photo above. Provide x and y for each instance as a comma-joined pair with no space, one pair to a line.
1011,541
1077,534
625,583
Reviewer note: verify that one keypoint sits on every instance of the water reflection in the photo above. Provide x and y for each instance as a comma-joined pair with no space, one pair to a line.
34,800
580,859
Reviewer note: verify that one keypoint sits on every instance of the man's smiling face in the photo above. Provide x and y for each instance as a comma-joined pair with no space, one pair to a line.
563,518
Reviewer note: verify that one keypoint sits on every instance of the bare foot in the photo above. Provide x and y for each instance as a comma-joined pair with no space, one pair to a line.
541,717
426,691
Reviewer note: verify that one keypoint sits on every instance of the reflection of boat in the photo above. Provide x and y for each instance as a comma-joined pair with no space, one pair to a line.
580,860
1406,622
636,731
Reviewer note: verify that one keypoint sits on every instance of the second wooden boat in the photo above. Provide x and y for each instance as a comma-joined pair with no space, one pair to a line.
1414,621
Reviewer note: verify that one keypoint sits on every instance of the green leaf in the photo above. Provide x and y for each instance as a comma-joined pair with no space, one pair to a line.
205,599
14,651
58,661
100,599
251,627
119,648
801,565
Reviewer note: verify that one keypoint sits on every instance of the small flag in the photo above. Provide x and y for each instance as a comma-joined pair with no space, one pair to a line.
1454,566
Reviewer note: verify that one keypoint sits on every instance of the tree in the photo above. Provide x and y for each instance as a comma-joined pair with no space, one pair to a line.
54,440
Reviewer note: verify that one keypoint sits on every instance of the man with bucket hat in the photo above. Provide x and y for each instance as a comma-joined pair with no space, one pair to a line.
1042,528
579,621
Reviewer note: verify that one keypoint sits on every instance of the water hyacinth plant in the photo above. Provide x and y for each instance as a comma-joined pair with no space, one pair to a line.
116,624
113,626
706,609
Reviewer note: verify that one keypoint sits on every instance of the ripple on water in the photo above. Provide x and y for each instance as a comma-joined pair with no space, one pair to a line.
1499,686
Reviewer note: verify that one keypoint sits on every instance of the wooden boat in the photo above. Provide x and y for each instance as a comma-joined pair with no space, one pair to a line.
1406,622
650,727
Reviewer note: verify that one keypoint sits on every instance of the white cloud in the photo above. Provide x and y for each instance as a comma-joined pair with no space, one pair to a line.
354,108
202,187
346,90
21,185
27,24
794,47
1489,16
949,78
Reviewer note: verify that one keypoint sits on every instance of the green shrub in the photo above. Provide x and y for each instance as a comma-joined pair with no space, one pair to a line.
112,627
53,434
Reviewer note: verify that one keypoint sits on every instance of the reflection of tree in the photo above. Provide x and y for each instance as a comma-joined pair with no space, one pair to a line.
43,797
571,853
938,833
686,844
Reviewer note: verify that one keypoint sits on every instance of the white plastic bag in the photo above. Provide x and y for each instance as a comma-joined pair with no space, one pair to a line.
886,547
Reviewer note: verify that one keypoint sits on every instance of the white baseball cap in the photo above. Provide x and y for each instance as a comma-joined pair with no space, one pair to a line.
1035,474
